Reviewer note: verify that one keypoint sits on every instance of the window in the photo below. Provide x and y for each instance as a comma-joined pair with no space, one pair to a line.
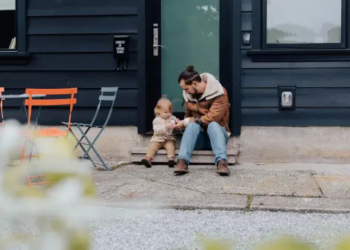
300,31
304,23
8,23
13,32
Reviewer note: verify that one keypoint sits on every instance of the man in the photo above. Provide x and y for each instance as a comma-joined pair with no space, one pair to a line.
206,119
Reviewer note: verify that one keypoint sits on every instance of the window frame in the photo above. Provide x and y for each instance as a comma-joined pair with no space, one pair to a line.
18,55
341,45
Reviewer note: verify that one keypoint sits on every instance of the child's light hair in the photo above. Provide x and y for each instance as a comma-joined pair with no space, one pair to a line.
163,103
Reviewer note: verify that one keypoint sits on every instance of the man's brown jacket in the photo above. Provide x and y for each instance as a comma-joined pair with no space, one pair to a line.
213,105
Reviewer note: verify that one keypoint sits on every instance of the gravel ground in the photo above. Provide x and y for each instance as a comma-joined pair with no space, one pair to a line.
172,229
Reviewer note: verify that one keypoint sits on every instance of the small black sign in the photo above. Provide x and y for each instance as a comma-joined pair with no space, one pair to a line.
121,50
121,47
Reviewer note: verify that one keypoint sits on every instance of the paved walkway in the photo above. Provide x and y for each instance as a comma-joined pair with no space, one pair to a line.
283,187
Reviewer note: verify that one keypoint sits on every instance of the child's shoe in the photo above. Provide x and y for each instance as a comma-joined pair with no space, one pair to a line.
171,162
147,162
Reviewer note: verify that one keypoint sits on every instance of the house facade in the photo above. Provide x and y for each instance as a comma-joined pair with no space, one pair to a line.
283,65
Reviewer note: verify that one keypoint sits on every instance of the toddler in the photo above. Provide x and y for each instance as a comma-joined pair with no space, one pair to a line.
163,137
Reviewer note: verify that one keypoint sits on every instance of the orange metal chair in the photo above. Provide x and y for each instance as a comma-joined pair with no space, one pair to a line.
48,132
2,90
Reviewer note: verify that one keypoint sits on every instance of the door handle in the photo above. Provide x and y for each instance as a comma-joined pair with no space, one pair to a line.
156,40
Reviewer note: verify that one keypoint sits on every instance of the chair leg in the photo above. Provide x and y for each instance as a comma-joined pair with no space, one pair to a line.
91,146
31,151
79,143
82,137
89,157
23,151
76,138
99,157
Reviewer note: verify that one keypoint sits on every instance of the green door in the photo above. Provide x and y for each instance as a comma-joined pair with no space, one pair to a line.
189,35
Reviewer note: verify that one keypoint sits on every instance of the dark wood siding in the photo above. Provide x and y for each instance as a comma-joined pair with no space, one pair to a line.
323,88
71,44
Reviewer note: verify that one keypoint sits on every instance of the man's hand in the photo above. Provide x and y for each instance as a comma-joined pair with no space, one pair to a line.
180,125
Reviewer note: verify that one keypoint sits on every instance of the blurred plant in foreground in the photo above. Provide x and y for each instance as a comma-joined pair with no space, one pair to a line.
58,213
285,243
214,244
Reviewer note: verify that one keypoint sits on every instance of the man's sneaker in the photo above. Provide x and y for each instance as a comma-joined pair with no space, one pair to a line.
147,162
181,167
222,168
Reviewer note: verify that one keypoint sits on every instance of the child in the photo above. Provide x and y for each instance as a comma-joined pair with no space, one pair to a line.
163,137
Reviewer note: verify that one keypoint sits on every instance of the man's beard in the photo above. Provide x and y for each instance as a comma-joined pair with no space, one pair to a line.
196,95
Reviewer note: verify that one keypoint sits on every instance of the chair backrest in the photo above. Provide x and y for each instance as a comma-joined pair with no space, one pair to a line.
110,97
30,102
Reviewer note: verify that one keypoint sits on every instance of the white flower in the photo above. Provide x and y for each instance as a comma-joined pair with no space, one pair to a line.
66,204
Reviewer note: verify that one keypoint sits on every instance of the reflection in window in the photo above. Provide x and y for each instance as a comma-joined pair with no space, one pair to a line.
303,21
7,24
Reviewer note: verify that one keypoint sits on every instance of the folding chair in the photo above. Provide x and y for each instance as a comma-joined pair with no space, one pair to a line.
112,94
30,102
1,107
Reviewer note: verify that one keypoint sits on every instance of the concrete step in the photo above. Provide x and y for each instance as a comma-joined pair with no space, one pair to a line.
198,156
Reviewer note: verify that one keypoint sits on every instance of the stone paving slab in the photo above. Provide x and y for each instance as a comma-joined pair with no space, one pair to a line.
209,201
296,204
262,188
335,186
315,168
242,181
167,195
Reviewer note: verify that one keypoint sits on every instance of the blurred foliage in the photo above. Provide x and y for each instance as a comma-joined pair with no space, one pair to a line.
285,243
343,245
60,210
214,244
